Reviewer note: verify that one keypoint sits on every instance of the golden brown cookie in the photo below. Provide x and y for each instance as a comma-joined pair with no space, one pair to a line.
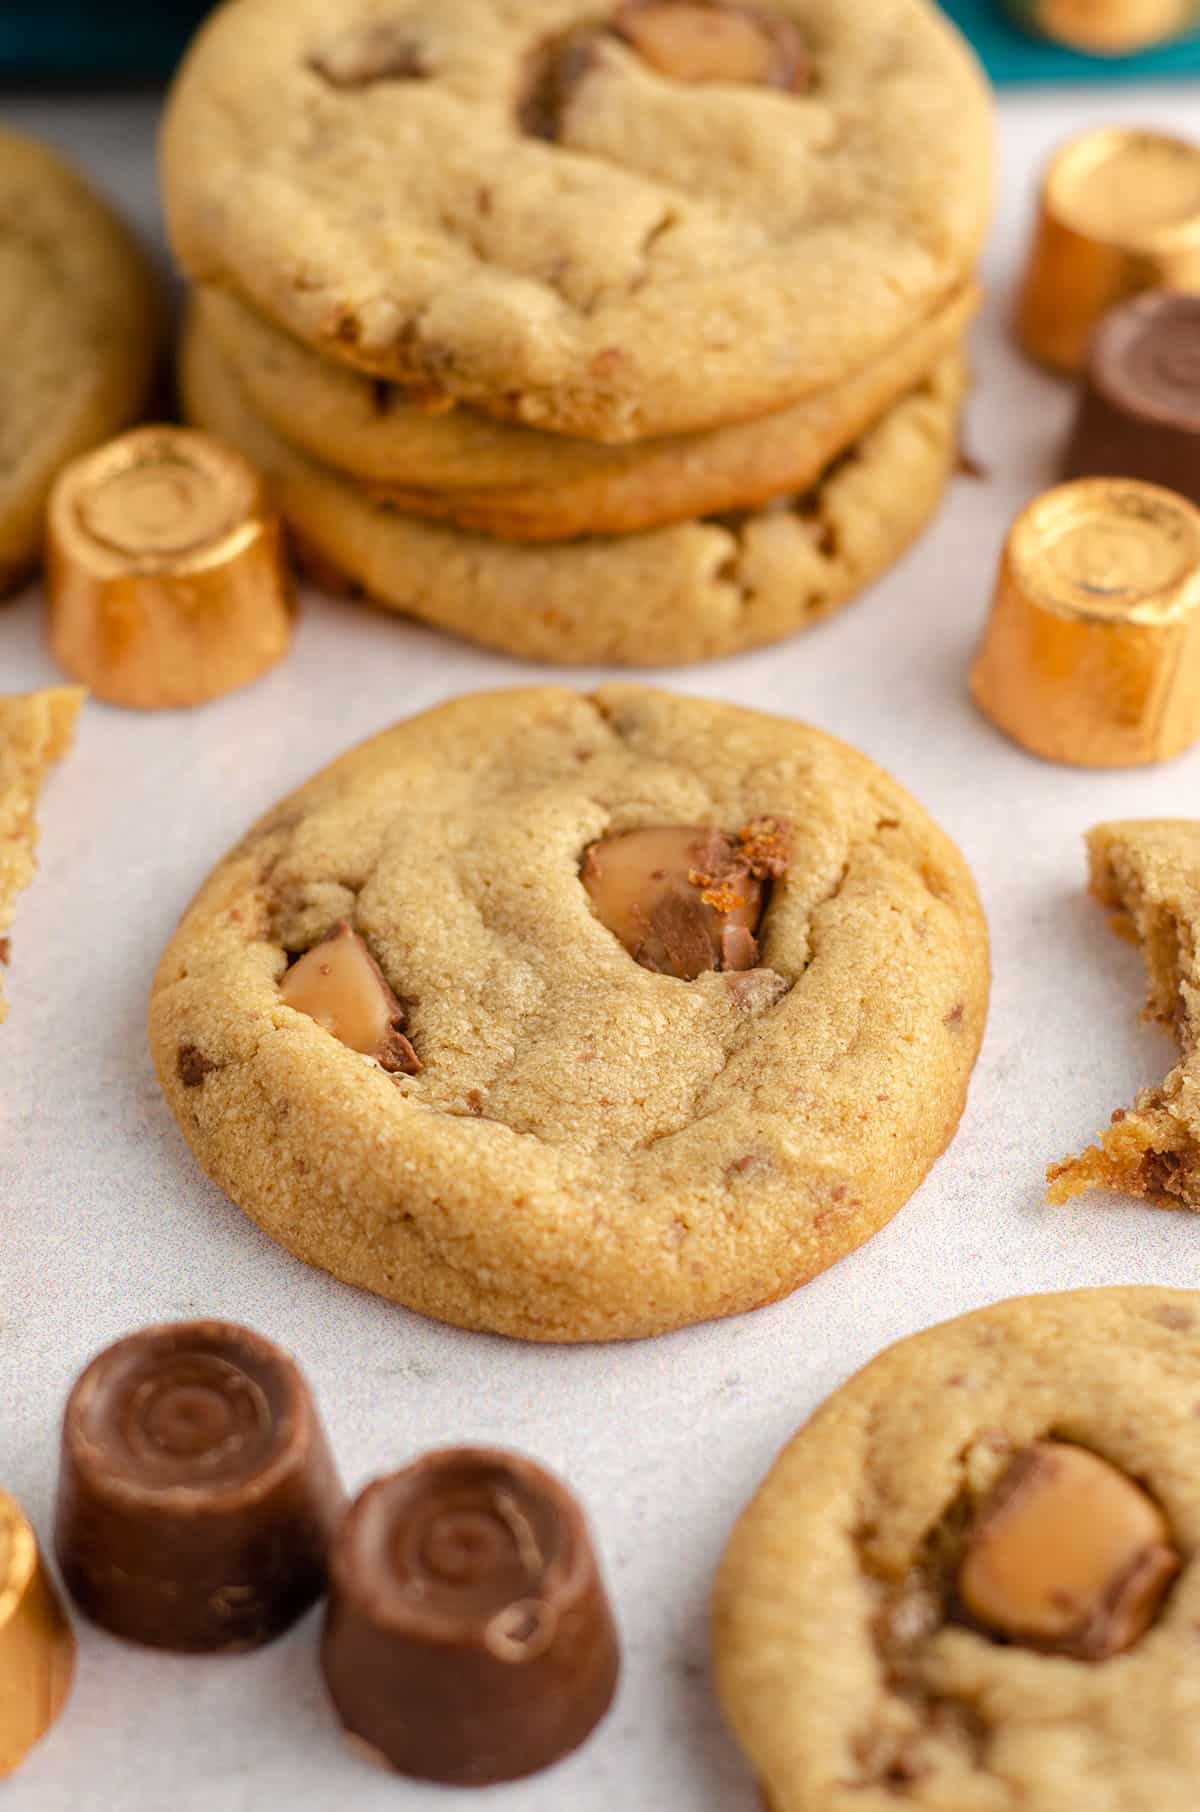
1148,872
687,593
517,484
79,335
547,209
35,731
969,1583
429,1023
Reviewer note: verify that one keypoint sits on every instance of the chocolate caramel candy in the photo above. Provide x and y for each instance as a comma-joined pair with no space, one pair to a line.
686,899
1119,213
197,1495
1107,28
340,985
166,576
1067,1554
468,1637
37,1649
717,41
1092,651
1139,412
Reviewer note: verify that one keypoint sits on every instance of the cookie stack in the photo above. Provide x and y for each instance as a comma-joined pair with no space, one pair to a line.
631,338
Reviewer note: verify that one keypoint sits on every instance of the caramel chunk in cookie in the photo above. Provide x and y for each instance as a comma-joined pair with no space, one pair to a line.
340,985
693,42
1067,1554
685,899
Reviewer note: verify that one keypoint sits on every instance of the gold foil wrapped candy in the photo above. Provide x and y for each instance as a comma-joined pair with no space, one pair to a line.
1092,654
37,1649
166,572
1107,28
1119,213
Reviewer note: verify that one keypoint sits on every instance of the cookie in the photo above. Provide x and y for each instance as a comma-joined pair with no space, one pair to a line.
968,1583
428,1023
35,731
687,593
79,335
532,208
519,485
1148,872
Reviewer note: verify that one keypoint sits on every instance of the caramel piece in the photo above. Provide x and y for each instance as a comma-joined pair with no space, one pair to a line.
469,1638
1067,1554
716,43
197,1494
1092,652
37,1649
1119,213
340,985
165,571
685,899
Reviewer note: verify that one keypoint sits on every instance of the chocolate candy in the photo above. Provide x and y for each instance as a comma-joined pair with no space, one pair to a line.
1139,414
1067,1554
468,1638
1107,28
37,1649
197,1495
1119,214
340,985
165,571
1092,652
686,899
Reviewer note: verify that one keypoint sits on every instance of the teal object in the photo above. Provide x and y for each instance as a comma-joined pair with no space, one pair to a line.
1011,55
106,40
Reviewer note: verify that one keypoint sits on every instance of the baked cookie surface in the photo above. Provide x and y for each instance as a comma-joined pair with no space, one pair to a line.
517,484
687,593
551,1139
35,732
467,197
847,1663
1148,872
79,335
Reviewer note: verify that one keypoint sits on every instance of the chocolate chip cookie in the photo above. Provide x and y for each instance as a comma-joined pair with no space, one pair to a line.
35,732
1148,872
968,1584
578,1017
79,335
612,221
517,484
686,593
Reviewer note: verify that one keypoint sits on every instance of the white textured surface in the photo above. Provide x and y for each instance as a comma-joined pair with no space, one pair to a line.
107,1223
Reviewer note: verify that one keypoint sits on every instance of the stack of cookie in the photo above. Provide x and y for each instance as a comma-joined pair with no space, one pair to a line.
631,338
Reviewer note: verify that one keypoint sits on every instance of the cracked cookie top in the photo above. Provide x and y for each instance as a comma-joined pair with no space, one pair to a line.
577,1017
969,1582
612,221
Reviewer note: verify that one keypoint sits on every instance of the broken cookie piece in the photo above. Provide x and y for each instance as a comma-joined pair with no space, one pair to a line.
1067,1554
35,732
1148,872
686,899
340,985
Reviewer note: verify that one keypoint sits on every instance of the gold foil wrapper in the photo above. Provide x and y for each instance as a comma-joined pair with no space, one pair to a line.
1119,213
1092,653
37,1649
166,573
1107,28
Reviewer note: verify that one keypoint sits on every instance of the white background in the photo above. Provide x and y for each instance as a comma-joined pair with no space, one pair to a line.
106,1222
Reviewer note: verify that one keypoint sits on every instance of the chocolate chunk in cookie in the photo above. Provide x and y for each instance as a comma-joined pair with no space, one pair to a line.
715,41
1067,1554
685,899
340,985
